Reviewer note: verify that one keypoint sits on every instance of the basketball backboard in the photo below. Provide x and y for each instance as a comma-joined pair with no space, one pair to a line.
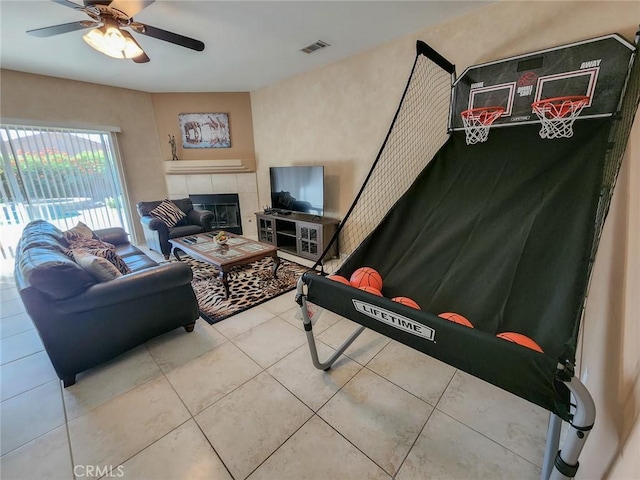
596,68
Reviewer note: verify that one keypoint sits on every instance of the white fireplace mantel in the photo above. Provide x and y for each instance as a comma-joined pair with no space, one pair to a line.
190,167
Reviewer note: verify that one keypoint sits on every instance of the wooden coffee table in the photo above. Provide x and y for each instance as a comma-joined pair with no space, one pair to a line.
237,251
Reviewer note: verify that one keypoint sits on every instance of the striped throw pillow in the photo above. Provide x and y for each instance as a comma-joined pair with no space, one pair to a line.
168,213
79,231
99,249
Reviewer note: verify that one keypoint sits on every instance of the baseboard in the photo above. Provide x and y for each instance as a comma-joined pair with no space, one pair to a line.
295,258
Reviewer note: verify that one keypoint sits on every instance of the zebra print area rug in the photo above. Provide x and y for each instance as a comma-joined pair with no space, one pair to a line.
249,285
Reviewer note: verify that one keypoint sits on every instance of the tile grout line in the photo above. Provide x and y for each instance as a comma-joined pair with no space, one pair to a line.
264,370
66,424
468,426
433,408
399,386
445,389
32,388
489,438
191,416
285,441
22,358
334,393
212,447
354,445
42,434
155,441
13,314
315,413
17,333
363,367
152,379
414,442
423,426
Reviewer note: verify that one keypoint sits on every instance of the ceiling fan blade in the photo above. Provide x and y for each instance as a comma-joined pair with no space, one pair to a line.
131,7
66,3
62,28
168,36
88,3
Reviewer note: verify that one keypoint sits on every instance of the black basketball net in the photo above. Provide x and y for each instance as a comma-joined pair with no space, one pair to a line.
416,134
618,138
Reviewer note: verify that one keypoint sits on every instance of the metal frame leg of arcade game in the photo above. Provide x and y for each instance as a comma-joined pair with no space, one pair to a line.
308,329
558,464
566,460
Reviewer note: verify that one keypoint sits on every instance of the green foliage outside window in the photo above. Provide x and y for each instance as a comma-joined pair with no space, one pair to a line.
53,174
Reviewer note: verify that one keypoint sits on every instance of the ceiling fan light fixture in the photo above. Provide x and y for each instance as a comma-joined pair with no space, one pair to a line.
110,40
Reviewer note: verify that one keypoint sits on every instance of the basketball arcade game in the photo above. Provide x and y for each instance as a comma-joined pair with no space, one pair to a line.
551,87
513,252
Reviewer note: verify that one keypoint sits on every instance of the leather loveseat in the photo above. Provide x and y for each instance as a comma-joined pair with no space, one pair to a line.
83,322
156,232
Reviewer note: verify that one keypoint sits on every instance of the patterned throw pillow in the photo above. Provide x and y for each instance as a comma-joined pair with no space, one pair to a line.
99,268
99,249
168,213
79,231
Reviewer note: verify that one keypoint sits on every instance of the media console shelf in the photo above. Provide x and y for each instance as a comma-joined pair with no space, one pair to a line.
298,233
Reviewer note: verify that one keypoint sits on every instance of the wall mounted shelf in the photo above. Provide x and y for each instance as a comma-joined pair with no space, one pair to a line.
190,167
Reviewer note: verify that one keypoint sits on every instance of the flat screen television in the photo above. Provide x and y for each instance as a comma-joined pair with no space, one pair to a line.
297,189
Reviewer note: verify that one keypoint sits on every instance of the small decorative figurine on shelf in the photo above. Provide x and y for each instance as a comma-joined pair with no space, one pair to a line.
172,142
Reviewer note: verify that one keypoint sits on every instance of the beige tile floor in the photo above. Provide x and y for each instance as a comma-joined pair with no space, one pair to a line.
241,399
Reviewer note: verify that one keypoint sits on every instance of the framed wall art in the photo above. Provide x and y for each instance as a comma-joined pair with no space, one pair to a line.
204,130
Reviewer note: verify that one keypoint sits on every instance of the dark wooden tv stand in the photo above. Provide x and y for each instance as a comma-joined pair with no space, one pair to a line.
302,234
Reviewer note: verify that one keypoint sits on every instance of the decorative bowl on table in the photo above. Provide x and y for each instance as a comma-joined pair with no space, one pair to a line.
221,238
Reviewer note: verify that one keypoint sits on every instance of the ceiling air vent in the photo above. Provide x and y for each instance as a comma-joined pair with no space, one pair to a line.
314,46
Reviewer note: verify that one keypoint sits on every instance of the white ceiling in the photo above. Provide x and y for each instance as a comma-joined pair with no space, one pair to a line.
248,44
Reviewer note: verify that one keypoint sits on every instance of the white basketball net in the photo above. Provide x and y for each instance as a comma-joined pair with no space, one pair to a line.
558,114
477,122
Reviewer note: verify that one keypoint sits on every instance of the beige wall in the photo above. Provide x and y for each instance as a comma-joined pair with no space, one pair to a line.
338,115
237,106
610,340
145,121
66,102
335,116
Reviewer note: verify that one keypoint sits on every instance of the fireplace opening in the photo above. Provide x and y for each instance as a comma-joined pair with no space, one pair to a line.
225,208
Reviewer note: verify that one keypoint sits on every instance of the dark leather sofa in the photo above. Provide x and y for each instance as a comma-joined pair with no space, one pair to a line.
83,323
156,232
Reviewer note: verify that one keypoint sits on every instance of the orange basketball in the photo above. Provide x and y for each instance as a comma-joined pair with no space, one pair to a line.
366,277
406,301
456,318
520,340
339,278
373,290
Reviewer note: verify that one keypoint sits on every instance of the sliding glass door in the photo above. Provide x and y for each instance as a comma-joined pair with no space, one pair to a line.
63,176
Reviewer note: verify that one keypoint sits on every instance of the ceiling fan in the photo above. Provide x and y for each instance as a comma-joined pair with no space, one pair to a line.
109,18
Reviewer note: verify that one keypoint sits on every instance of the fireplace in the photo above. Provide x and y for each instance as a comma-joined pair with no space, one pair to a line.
225,208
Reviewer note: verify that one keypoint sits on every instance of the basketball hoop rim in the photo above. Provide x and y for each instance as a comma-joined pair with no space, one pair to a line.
471,111
555,100
476,115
